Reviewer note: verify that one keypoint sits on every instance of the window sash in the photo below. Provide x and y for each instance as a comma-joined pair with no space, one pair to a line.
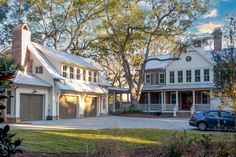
148,78
78,74
90,76
64,71
71,73
180,76
84,75
172,76
162,78
197,75
188,76
94,77
206,75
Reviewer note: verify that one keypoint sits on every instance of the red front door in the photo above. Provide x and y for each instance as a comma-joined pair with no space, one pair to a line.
187,100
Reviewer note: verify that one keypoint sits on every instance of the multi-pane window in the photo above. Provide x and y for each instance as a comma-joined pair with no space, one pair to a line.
197,75
173,98
148,78
172,77
78,74
206,75
71,72
64,71
84,75
162,78
188,76
90,76
180,76
39,70
94,77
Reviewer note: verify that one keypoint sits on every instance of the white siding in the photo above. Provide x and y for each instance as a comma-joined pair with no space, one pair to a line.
197,62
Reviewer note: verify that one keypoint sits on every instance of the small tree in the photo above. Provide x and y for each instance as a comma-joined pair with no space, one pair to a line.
225,66
8,147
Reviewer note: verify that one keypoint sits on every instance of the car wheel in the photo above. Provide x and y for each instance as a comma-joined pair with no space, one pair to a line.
202,126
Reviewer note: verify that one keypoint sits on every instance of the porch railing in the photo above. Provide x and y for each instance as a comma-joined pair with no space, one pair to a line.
149,107
202,107
170,107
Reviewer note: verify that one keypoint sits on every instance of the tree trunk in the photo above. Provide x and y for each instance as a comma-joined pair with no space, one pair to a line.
4,112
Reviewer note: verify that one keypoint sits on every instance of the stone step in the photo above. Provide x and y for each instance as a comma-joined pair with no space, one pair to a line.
184,114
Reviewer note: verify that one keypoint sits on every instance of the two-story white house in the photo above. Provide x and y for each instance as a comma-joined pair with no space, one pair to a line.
183,85
54,84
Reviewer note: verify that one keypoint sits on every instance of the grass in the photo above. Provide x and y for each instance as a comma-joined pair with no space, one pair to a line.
72,141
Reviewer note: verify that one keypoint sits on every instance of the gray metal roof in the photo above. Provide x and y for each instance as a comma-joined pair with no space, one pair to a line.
65,57
78,86
45,62
31,80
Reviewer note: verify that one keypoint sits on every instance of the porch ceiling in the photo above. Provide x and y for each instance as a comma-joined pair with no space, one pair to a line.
188,86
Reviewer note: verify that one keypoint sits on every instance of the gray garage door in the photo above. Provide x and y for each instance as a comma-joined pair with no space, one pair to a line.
90,107
31,107
68,105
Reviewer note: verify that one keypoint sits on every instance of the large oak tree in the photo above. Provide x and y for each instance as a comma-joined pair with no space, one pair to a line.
130,30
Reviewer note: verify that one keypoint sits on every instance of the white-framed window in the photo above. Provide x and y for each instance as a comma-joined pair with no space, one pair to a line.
64,71
71,72
173,98
39,70
197,75
95,77
206,75
78,75
90,76
172,77
161,78
148,78
84,75
188,76
180,76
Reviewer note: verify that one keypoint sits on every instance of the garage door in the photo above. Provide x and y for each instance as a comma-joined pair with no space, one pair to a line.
31,107
68,105
90,107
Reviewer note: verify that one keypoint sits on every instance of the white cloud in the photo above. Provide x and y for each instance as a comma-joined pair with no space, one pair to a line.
207,27
212,13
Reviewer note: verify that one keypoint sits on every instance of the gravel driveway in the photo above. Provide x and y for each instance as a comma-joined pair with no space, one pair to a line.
107,122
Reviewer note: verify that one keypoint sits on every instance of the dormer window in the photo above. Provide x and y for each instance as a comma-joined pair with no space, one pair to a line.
64,71
84,75
39,70
94,77
71,72
78,74
90,76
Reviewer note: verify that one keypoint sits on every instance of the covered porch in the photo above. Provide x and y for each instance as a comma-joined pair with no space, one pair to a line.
119,98
176,100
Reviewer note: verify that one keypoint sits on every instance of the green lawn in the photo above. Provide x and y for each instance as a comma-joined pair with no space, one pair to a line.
64,141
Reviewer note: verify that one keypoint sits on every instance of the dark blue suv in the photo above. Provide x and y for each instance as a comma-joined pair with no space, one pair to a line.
213,119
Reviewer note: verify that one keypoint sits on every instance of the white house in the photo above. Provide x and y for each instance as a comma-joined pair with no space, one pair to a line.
181,86
54,84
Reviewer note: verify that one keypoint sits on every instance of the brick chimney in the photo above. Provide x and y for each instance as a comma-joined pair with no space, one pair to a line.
217,36
20,38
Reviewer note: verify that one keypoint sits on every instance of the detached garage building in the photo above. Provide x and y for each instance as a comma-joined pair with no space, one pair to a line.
54,84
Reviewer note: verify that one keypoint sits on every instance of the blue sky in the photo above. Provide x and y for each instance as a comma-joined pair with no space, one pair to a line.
216,16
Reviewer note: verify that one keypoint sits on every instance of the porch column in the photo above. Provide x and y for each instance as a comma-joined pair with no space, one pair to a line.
177,100
114,102
164,100
176,108
127,97
121,100
193,106
149,101
212,105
